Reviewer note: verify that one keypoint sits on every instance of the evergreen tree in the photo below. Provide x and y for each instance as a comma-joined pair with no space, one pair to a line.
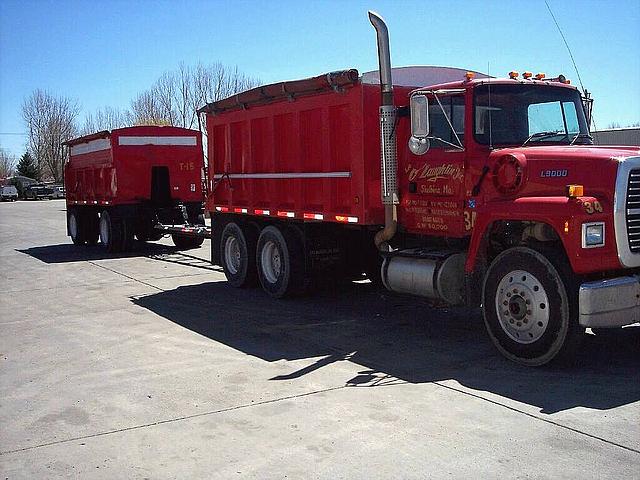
27,167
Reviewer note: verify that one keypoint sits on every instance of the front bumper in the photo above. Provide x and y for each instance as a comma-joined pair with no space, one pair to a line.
610,303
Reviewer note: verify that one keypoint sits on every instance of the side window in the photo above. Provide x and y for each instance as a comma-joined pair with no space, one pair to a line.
440,129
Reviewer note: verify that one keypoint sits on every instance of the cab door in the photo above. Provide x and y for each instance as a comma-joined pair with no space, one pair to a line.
432,200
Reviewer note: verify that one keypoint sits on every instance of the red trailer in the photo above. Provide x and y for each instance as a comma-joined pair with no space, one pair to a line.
461,188
133,182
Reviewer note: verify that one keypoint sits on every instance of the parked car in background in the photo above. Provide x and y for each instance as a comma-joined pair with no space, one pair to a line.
58,191
9,193
38,191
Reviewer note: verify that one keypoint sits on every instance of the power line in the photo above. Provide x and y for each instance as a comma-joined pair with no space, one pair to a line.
14,133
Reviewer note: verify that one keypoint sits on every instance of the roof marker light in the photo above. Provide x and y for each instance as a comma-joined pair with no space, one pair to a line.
469,76
513,75
540,76
527,75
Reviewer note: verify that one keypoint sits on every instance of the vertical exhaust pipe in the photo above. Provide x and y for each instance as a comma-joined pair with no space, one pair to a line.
388,152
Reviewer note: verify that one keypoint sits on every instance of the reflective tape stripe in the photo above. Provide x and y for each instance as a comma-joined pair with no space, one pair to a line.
170,141
262,212
313,216
286,214
286,175
346,219
92,146
240,210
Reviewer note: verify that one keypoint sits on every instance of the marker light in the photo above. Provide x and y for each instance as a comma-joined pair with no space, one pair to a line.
575,191
527,75
566,226
513,75
469,76
540,76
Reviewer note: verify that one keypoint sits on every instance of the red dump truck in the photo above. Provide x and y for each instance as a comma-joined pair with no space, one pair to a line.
488,193
136,181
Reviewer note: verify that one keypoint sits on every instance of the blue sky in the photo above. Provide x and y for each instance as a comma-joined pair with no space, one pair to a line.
102,53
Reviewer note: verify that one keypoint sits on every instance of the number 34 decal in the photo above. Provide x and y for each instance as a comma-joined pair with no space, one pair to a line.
592,207
469,219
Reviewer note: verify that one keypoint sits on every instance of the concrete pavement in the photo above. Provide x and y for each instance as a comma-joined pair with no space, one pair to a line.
147,365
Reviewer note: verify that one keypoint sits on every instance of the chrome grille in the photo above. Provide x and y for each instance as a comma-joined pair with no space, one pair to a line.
633,210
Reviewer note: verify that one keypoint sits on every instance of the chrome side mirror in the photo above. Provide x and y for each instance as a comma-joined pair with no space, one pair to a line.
418,142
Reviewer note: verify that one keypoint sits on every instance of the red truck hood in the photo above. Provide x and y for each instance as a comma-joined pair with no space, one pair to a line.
550,168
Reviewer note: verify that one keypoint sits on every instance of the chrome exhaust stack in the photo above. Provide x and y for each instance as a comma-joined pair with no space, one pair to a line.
388,152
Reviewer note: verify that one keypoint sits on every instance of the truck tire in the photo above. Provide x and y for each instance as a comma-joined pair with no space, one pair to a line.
280,262
76,228
91,227
238,255
530,308
111,232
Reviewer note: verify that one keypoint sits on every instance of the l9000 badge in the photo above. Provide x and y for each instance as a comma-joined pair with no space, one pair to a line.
553,173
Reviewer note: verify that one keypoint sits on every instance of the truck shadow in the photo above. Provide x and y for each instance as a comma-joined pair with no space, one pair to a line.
66,253
398,339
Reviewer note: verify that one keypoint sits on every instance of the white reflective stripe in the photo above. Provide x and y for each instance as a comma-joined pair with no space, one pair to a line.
286,175
92,146
184,141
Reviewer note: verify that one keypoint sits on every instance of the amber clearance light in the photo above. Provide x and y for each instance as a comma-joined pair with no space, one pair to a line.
575,191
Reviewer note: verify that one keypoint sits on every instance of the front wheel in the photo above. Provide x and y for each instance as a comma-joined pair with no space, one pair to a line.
529,308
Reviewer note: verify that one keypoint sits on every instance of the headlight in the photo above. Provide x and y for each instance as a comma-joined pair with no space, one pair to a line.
592,234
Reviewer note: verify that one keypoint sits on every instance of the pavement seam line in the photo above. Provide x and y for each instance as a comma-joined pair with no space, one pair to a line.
531,415
125,275
173,420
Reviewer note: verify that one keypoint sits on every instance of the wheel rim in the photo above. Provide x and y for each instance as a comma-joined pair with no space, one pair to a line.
522,307
73,226
232,254
271,261
104,230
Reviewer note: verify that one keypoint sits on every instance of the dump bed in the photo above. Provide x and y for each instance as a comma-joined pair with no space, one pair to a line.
119,167
307,149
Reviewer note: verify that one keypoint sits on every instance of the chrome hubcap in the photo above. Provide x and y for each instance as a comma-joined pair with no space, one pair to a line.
522,306
232,255
271,261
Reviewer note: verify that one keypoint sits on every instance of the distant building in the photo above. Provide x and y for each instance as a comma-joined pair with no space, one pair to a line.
617,136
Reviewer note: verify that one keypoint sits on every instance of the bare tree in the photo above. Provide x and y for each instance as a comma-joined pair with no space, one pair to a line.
106,118
50,121
7,163
176,96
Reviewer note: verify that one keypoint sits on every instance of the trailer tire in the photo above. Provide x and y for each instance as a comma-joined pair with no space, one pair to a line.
238,255
280,262
530,308
91,227
111,232
184,242
75,227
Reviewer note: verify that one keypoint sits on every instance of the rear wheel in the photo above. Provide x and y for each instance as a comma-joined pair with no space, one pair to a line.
238,255
75,227
111,232
280,262
529,310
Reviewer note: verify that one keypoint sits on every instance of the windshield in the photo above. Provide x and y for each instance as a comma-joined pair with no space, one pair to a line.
527,114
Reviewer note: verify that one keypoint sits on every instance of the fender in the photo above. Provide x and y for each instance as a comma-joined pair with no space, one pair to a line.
565,215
